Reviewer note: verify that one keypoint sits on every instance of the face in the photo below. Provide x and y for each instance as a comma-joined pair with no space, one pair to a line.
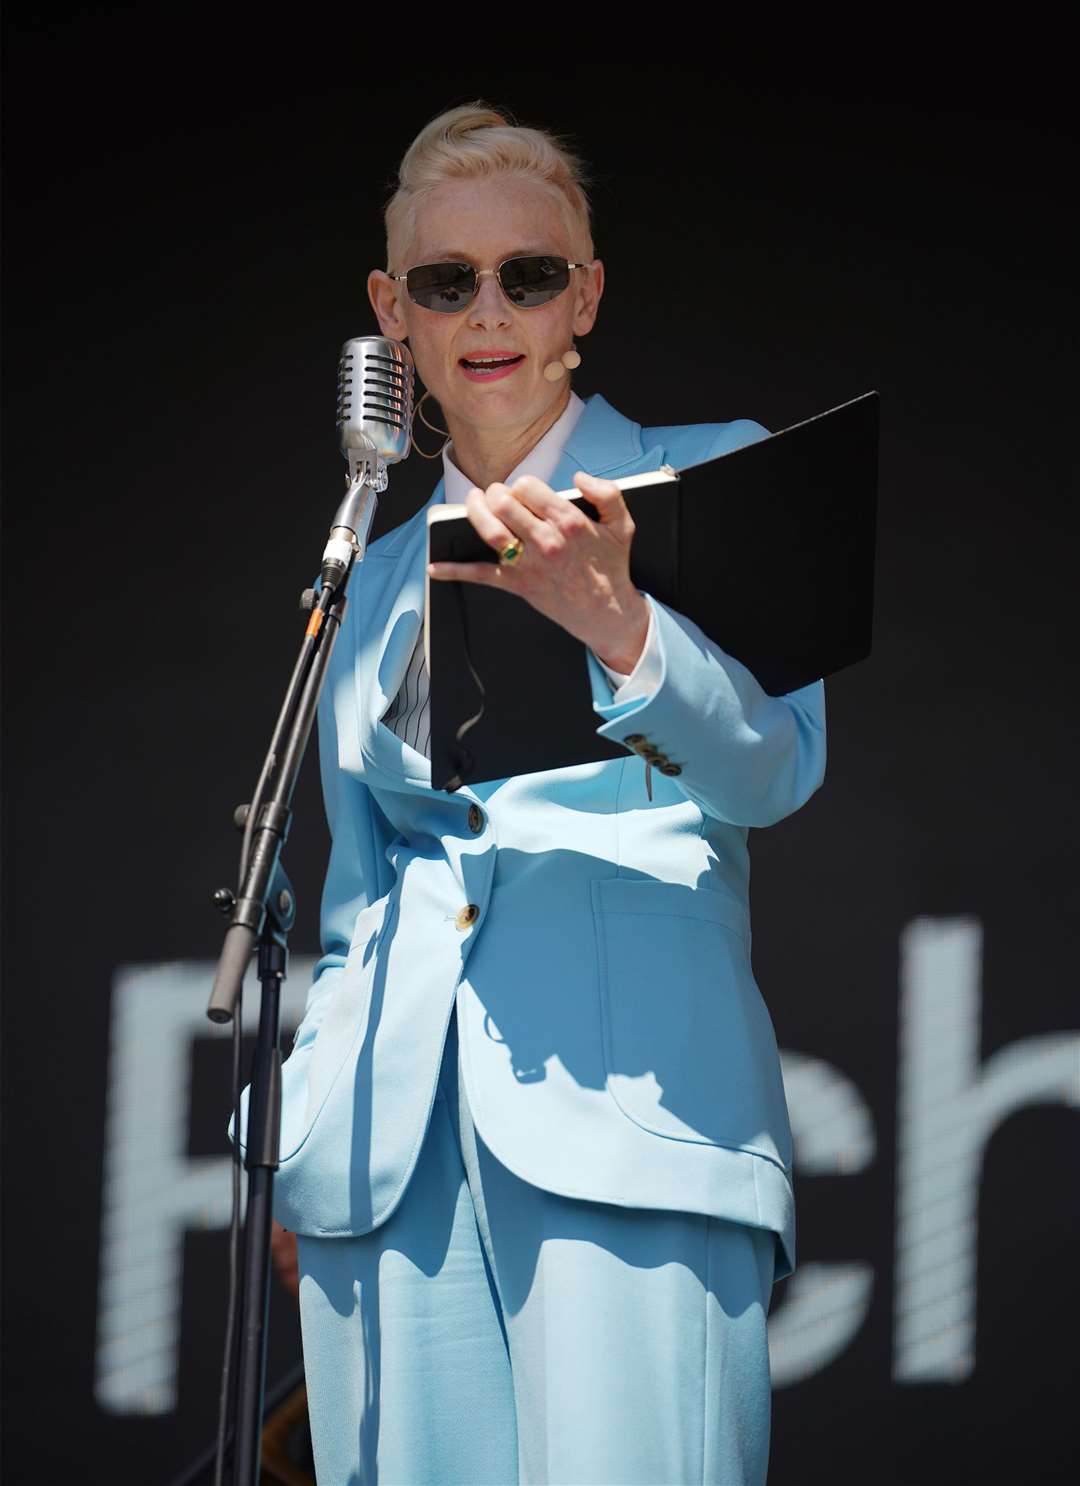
483,222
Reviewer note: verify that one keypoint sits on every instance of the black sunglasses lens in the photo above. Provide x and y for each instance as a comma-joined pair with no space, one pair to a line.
444,287
531,281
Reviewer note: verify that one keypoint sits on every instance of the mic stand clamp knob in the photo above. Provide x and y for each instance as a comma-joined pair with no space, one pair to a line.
224,900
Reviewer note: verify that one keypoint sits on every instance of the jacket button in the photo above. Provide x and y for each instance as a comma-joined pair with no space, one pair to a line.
633,739
655,757
467,915
476,819
670,769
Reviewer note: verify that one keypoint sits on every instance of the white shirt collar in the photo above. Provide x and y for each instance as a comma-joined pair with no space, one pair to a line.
540,461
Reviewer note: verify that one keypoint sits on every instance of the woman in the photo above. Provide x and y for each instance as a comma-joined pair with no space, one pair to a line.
534,1135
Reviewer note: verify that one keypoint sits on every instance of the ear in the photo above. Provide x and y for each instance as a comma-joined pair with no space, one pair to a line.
386,302
587,301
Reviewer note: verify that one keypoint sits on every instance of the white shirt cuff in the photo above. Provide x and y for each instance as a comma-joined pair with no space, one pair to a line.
645,676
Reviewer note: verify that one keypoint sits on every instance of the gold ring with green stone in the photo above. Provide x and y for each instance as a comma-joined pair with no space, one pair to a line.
511,554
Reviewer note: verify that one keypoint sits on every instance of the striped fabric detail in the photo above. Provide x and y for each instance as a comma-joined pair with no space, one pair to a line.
409,713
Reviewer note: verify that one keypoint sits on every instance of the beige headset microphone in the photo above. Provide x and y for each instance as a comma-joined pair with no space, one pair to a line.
569,361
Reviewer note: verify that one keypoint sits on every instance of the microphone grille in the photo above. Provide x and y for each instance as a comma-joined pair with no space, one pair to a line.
375,397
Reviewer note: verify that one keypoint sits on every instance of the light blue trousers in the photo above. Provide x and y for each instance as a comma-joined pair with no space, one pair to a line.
491,1332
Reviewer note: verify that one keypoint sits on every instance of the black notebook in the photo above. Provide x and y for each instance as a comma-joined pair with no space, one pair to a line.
769,549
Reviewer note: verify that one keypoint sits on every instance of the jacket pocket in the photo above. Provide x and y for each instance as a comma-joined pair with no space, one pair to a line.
688,1044
310,1073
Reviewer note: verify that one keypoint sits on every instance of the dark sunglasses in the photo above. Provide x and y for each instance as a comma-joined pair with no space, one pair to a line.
450,287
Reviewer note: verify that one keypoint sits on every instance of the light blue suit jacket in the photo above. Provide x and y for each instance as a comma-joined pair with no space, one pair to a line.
614,1044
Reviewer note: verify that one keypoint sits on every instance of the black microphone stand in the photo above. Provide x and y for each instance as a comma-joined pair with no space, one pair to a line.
261,914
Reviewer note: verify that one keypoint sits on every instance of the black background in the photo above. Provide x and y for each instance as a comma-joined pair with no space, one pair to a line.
787,220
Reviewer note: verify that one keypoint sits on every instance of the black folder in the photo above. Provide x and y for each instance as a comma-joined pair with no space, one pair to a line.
768,549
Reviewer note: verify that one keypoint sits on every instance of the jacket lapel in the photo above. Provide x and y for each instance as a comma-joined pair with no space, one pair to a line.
605,443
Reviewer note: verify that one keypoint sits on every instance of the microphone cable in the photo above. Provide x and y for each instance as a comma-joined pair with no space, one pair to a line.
463,756
228,1365
225,1398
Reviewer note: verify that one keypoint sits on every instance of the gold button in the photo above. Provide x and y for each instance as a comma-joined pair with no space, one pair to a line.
654,756
467,915
633,739
670,769
476,819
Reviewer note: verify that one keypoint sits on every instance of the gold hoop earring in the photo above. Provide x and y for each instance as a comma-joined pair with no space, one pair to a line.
418,411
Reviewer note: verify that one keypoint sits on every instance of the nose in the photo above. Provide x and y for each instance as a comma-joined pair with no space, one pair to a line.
490,308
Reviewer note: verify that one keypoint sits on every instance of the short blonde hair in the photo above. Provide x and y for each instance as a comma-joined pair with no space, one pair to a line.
475,141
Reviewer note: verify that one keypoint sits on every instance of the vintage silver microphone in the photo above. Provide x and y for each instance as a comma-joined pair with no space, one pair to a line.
374,420
375,401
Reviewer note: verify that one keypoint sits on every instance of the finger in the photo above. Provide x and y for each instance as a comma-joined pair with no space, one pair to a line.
608,500
546,504
469,572
604,494
524,520
497,529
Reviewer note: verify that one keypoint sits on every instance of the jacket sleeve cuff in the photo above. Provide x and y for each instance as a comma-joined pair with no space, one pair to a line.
645,676
615,694
743,755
